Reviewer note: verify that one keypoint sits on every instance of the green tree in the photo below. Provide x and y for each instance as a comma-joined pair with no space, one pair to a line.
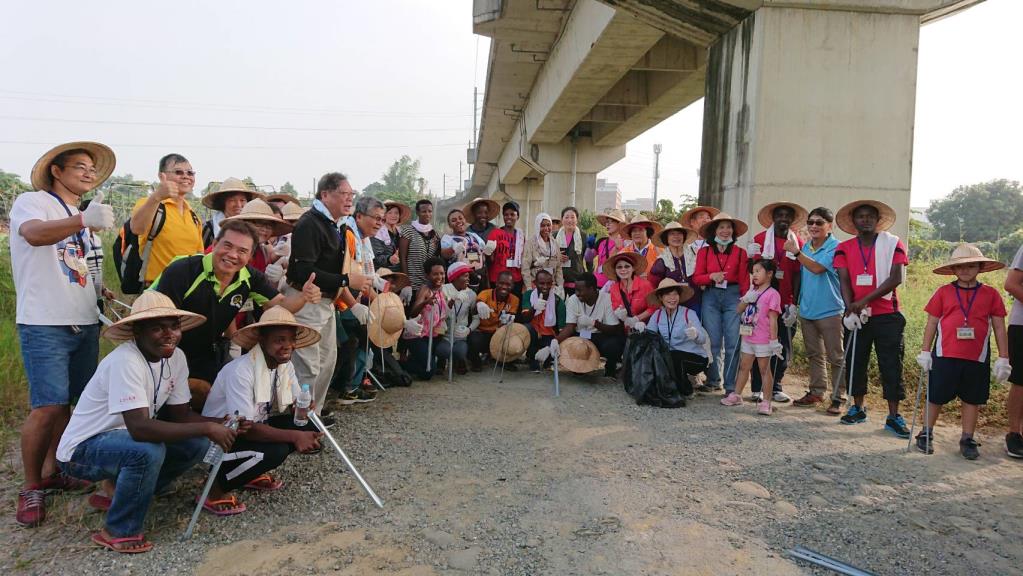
980,212
287,188
400,182
12,183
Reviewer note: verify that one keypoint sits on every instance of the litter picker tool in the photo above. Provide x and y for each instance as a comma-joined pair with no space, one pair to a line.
214,457
827,562
504,353
557,383
451,343
916,410
369,364
429,346
344,458
850,367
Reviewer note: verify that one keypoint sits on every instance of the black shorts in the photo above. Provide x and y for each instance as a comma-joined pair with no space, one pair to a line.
1016,354
952,378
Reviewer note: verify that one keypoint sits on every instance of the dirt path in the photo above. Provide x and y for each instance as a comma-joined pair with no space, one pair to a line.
489,478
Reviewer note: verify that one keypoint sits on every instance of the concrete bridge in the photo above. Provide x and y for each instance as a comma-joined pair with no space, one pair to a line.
806,100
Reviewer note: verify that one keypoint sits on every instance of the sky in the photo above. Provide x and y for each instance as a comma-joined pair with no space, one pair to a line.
287,91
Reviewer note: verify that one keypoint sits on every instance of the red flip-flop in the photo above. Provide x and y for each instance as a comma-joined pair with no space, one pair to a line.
111,543
99,501
264,483
211,506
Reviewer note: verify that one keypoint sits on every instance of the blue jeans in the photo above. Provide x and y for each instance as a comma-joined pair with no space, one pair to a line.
721,320
138,469
59,361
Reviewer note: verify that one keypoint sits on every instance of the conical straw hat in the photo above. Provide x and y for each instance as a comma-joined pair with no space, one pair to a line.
149,306
885,220
258,211
215,200
103,160
518,342
738,226
766,214
685,292
578,355
968,254
388,320
248,336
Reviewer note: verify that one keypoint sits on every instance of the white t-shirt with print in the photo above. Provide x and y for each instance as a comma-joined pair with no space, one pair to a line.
233,391
600,312
52,282
124,381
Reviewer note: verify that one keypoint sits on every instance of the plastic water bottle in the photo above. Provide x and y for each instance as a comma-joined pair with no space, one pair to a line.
214,453
302,403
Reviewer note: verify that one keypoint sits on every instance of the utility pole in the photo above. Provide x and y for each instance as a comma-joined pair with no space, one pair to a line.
443,185
657,171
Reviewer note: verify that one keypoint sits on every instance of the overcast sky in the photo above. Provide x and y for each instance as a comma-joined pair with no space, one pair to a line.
286,91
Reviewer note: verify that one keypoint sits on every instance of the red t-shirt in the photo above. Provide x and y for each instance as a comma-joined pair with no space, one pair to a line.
944,305
788,269
733,264
504,251
848,255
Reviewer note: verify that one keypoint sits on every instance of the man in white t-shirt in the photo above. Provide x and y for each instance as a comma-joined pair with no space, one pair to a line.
588,314
57,318
133,425
260,385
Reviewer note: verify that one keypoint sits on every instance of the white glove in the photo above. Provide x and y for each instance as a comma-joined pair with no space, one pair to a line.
559,292
489,247
754,249
776,348
584,322
864,316
852,322
630,322
639,326
98,216
542,354
541,305
751,295
274,272
790,316
924,360
379,284
283,249
461,332
692,333
361,313
621,314
555,348
413,327
459,248
406,295
483,310
1002,370
506,318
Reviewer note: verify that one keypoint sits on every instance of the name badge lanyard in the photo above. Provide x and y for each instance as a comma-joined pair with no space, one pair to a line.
671,325
156,383
78,235
723,268
969,304
273,393
864,255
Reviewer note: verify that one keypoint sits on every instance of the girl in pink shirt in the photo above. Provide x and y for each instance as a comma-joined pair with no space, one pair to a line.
758,328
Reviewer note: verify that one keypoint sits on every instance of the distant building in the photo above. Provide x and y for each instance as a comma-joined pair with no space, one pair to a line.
639,204
608,196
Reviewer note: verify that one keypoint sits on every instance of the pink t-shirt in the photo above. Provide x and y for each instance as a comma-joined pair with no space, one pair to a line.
769,300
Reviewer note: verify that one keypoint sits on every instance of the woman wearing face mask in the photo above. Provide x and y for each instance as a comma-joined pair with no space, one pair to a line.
465,246
721,269
419,243
385,243
672,261
570,242
541,253
629,290
608,247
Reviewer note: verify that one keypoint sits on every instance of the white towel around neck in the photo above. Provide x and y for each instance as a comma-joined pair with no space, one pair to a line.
769,244
884,253
262,381
550,315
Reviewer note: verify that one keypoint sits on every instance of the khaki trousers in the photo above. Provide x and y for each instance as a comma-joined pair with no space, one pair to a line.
822,340
314,364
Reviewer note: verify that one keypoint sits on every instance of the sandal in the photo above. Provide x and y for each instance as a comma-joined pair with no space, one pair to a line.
264,483
214,506
835,409
118,544
99,501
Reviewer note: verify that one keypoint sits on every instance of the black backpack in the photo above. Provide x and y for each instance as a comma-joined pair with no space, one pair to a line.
129,261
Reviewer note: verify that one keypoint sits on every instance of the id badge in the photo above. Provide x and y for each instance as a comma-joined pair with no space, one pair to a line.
865,280
723,284
510,263
587,334
745,330
964,333
779,274
247,307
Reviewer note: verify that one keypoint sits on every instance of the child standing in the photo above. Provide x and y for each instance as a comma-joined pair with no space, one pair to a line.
960,314
758,328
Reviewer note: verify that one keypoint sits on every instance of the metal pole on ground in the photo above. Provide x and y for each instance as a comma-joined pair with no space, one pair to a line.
344,457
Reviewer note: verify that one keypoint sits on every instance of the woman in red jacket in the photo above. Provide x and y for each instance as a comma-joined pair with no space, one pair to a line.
628,289
721,272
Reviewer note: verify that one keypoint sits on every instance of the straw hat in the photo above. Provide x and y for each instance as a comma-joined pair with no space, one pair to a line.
578,355
259,211
689,234
687,217
638,263
215,200
738,226
886,215
493,208
286,198
292,212
276,316
968,254
404,212
667,285
518,342
653,228
387,315
149,306
398,280
766,214
102,157
616,215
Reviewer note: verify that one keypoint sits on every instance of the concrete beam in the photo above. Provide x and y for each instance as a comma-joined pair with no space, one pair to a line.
699,22
670,55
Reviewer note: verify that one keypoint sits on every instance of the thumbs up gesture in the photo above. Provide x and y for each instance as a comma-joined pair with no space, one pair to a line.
98,216
167,188
792,243
311,291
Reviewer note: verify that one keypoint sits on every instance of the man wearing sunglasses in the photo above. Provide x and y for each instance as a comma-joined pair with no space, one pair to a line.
180,233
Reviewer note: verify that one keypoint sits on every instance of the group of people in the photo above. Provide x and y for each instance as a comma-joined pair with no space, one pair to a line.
243,311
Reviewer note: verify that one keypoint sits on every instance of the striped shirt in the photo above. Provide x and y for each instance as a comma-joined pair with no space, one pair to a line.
420,249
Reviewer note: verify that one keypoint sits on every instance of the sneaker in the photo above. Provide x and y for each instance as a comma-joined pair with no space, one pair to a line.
808,400
1014,445
732,399
897,425
328,421
708,388
31,508
764,408
61,482
360,396
925,442
781,397
968,448
855,415
756,397
836,408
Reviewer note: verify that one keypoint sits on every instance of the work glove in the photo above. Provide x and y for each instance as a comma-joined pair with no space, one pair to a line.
413,327
406,295
282,249
541,305
379,284
692,333
1002,370
489,247
852,322
864,316
584,322
639,326
925,361
621,314
483,310
790,315
361,313
630,322
274,272
776,348
506,318
751,296
559,292
754,249
555,348
542,354
461,332
459,248
98,216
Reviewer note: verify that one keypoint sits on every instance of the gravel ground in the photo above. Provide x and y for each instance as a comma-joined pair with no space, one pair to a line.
501,478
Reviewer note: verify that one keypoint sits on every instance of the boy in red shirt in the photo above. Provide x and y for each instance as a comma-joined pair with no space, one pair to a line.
960,313
870,267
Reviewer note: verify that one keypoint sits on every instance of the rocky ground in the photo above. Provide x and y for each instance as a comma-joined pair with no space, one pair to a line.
497,478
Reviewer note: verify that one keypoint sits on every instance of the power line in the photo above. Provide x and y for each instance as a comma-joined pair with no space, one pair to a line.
232,126
235,147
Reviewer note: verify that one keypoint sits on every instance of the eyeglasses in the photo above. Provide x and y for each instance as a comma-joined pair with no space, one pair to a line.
816,222
377,218
90,170
180,173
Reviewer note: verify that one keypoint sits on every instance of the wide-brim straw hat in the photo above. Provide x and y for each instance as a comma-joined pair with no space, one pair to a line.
968,254
616,215
578,355
885,220
248,336
686,219
151,305
398,280
388,320
653,228
493,208
518,342
103,160
287,198
688,234
637,260
258,211
292,212
766,214
215,200
404,212
685,292
738,226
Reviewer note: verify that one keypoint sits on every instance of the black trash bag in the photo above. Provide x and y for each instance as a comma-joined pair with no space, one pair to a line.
648,374
390,373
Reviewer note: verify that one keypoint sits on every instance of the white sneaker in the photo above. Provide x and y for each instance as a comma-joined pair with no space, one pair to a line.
781,397
756,397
